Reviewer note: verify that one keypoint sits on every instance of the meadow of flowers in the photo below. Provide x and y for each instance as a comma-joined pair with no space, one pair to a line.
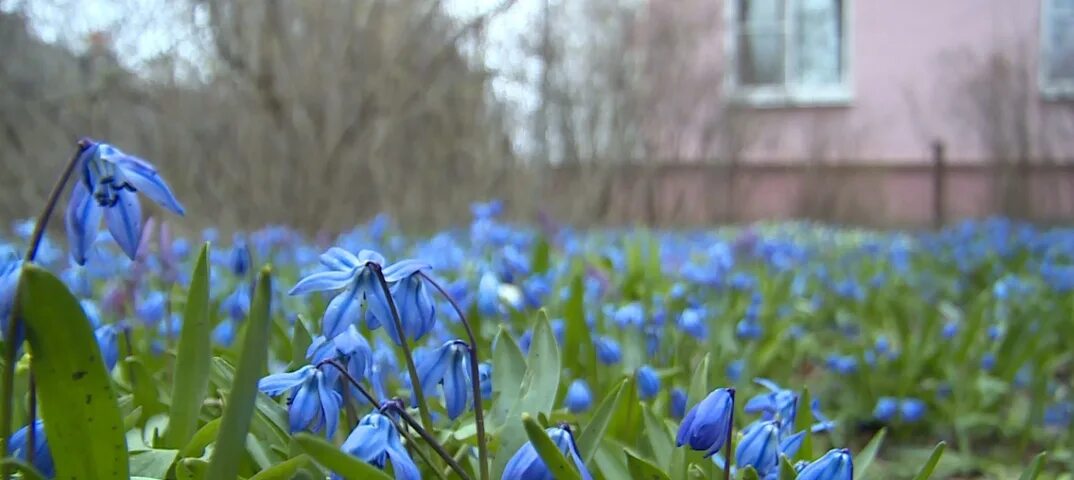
504,351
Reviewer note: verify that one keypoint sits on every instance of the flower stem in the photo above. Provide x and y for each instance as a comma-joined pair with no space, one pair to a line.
415,382
730,440
404,415
475,379
15,322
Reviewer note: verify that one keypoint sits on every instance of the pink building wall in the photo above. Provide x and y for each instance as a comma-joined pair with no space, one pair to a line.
912,64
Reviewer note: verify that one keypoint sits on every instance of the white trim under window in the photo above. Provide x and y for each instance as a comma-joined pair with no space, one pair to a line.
767,63
1056,75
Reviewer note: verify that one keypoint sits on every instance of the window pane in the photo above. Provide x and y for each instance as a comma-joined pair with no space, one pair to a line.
761,59
819,38
1060,48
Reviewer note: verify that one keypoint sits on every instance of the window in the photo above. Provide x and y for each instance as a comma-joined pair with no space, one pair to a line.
1057,49
787,52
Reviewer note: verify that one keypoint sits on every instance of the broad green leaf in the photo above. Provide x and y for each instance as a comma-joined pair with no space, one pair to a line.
27,471
201,439
593,432
865,458
930,465
699,383
553,458
300,342
191,383
235,422
270,419
284,470
542,256
152,463
641,468
610,460
786,468
749,473
537,394
332,458
1033,471
192,469
82,418
659,438
508,367
803,421
579,354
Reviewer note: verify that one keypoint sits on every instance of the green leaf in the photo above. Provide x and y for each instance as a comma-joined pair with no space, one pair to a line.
284,470
1033,471
641,468
659,438
542,256
82,418
537,394
192,469
344,465
191,382
28,471
749,473
593,432
610,461
201,439
235,422
803,421
930,465
553,458
508,367
300,342
579,354
152,463
865,458
786,469
699,383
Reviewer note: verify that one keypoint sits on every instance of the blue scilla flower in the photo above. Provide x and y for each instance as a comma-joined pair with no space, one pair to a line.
224,332
886,408
484,371
707,425
237,304
240,259
355,276
692,322
735,369
93,314
77,280
350,348
578,398
42,460
9,282
607,350
748,329
447,366
761,445
648,382
834,465
677,405
376,442
842,364
108,340
526,464
488,295
151,309
777,403
107,188
950,329
988,361
912,409
417,311
313,405
629,315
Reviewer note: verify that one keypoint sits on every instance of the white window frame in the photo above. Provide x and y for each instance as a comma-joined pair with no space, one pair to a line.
1050,89
788,94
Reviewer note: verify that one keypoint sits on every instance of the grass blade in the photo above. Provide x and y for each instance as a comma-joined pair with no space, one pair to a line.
192,362
930,465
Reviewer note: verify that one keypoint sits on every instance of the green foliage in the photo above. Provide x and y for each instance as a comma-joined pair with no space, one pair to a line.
194,355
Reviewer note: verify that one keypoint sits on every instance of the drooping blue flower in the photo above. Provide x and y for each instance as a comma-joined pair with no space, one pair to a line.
912,409
108,340
151,309
350,348
314,405
448,366
417,311
42,460
488,295
607,350
9,282
759,448
707,424
629,315
988,361
237,304
735,369
692,322
376,442
834,465
224,332
107,189
355,276
886,408
240,258
677,406
648,382
526,464
484,371
578,398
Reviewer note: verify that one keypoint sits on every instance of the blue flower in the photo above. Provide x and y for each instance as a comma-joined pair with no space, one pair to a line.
93,314
447,365
107,188
484,372
376,442
834,465
912,409
629,315
9,282
240,258
578,398
692,322
152,309
526,464
355,276
313,405
886,408
707,424
607,350
237,304
416,308
42,460
488,295
349,347
108,339
678,402
759,448
648,382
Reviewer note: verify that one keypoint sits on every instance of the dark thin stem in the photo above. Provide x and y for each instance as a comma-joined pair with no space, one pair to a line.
404,415
415,382
420,451
15,322
475,379
730,439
